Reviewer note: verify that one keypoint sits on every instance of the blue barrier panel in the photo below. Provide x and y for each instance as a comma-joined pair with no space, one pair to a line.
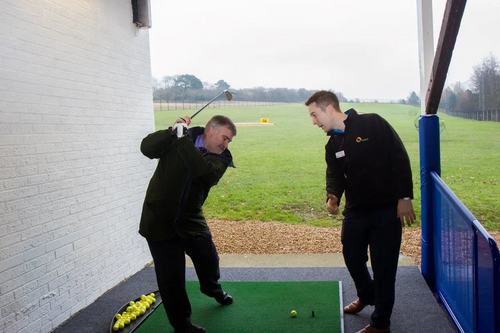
453,253
467,263
487,258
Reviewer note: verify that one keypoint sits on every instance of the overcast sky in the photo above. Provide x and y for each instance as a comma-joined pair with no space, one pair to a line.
362,48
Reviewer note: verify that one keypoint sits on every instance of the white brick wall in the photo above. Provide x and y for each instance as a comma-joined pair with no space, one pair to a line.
75,102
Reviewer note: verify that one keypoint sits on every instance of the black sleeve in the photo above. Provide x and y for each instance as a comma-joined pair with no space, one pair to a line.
334,168
158,143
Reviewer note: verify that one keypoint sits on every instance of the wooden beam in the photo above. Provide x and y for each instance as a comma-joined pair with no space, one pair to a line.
452,18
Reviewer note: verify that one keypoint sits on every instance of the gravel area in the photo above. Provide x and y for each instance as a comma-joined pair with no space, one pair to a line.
244,237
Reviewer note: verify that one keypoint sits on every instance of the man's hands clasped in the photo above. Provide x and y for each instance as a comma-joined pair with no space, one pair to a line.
180,127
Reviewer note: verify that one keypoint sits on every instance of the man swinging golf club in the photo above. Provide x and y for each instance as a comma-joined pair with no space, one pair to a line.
190,163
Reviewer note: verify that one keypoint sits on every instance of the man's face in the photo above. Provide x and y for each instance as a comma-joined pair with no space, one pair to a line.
321,118
217,140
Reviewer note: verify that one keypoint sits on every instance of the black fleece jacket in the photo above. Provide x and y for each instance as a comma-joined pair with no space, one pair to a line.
179,186
369,163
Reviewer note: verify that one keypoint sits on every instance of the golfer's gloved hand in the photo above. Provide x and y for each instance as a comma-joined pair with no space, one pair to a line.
180,129
180,126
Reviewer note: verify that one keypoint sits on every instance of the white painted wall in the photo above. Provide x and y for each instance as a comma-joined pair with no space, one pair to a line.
75,102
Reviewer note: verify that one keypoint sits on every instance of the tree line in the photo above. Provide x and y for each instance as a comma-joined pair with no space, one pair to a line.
189,88
482,93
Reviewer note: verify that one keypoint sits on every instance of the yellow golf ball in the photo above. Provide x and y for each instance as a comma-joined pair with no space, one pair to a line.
293,313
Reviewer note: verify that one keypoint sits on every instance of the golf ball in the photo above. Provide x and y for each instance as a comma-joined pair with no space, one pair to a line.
293,313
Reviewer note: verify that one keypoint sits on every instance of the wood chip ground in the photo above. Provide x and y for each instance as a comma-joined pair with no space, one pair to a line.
243,237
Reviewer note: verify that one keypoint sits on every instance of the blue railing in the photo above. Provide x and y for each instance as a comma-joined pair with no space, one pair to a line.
466,264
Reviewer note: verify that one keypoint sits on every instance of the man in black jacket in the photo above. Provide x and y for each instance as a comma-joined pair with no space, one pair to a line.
367,161
172,219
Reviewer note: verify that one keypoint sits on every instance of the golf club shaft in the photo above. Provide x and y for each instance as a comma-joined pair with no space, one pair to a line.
207,104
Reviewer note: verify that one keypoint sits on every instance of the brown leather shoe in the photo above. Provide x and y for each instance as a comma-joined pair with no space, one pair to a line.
355,307
371,329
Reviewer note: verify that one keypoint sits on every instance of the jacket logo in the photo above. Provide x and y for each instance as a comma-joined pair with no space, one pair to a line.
359,139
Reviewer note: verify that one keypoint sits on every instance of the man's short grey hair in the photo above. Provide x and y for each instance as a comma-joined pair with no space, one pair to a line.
221,121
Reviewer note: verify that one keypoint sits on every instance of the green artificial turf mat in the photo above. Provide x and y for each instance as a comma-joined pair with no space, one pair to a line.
262,307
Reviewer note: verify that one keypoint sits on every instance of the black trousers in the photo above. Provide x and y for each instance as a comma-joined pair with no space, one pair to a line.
170,267
380,231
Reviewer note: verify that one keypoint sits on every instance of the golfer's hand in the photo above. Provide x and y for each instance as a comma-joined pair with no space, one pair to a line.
183,123
184,120
406,212
332,205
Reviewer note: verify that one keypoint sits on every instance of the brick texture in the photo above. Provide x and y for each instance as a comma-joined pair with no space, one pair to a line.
75,102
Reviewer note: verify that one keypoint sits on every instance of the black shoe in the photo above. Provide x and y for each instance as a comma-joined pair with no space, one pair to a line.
224,299
192,328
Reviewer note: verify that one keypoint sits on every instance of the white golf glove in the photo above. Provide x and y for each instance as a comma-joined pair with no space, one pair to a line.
180,129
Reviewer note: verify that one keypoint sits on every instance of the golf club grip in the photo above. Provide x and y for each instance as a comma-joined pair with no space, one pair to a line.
180,131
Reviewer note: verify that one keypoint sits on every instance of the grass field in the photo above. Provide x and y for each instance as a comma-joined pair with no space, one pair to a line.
280,169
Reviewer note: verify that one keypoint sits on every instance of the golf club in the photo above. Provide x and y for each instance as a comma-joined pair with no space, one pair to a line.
229,96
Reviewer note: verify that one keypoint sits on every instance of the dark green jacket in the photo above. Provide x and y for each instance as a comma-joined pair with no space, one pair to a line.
179,186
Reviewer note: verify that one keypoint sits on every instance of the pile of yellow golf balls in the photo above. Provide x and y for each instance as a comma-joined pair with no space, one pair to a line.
134,310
